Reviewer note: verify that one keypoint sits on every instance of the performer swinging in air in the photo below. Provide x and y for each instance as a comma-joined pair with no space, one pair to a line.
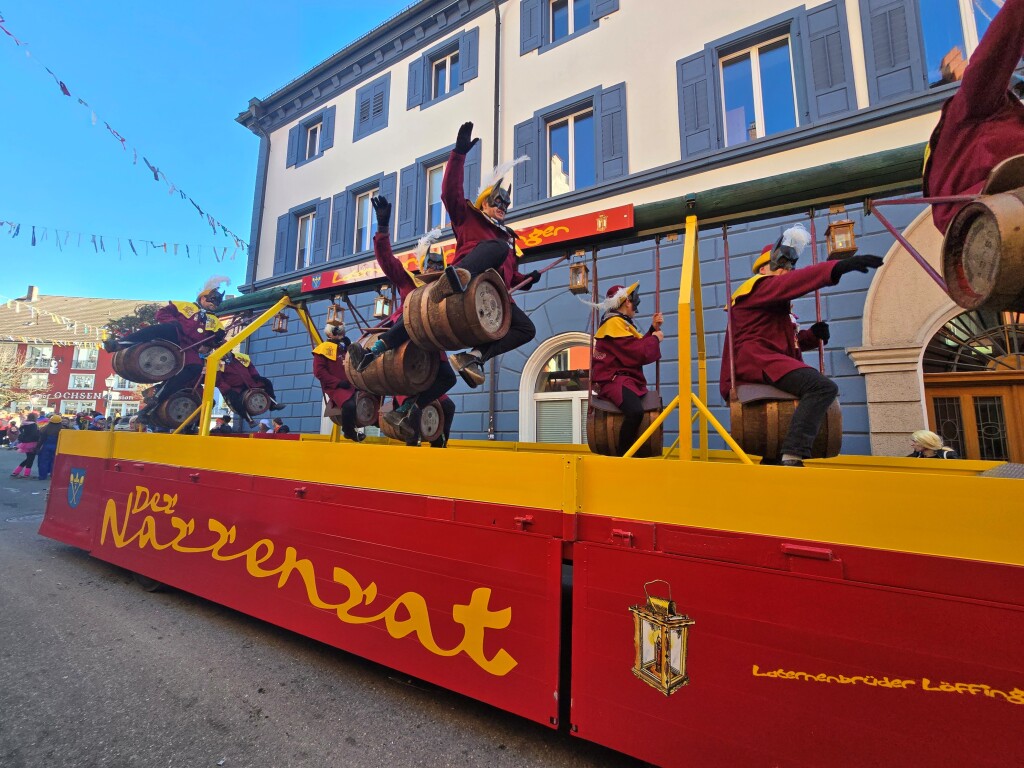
329,369
238,377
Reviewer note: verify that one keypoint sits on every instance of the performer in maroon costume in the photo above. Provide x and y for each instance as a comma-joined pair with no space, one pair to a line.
767,342
329,370
240,375
983,123
405,417
620,354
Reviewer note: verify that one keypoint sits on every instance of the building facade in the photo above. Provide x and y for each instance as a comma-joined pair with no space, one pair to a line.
622,103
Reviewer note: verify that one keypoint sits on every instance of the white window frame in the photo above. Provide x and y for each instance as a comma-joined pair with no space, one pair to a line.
444,62
970,27
40,361
755,76
75,406
572,20
361,199
91,363
44,379
439,168
313,135
569,120
75,379
304,257
528,396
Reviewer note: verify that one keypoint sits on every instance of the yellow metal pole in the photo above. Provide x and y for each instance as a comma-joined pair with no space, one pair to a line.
722,431
685,348
214,358
650,430
702,357
186,422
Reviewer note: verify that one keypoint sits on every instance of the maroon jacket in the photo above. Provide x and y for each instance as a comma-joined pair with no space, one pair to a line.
392,267
195,325
471,225
983,123
331,375
766,340
236,376
619,361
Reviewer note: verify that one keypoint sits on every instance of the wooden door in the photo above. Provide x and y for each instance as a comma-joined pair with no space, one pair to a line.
979,420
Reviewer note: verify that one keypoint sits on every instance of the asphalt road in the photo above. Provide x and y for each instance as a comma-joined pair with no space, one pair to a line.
94,671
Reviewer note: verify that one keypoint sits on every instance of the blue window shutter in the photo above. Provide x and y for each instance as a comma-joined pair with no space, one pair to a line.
611,144
379,105
364,102
524,186
893,48
469,45
530,34
321,227
415,93
338,215
826,51
697,123
471,173
601,8
387,187
294,135
327,129
407,203
281,245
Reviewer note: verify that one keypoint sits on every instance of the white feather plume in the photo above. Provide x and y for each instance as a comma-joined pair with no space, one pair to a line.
499,172
215,281
796,238
425,242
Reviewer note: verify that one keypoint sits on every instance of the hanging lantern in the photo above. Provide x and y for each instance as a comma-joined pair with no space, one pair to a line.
381,304
660,641
841,241
280,323
579,275
335,314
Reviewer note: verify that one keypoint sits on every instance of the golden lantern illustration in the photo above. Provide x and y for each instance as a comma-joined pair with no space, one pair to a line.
381,304
280,323
840,239
660,640
579,274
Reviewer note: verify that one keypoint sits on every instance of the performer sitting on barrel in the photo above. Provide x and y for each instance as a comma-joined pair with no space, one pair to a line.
620,354
238,377
329,370
767,342
482,242
187,324
982,124
405,417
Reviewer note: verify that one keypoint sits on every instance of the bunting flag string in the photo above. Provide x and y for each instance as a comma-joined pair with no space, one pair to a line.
40,235
35,313
154,169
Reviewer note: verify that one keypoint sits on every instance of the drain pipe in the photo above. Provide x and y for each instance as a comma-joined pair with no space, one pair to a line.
254,105
492,386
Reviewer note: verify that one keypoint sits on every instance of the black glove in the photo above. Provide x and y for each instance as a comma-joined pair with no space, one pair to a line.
820,331
531,280
463,143
856,264
383,208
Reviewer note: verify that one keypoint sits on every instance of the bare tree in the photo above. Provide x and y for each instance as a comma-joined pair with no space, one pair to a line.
142,316
14,377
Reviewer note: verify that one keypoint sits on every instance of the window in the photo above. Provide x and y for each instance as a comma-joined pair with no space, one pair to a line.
544,24
38,357
76,406
310,138
85,358
554,391
757,92
571,153
372,101
35,381
582,142
437,216
302,237
443,70
81,381
791,71
123,383
950,33
419,191
364,215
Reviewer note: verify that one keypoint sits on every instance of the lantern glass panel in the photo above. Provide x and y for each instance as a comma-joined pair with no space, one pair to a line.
651,645
675,657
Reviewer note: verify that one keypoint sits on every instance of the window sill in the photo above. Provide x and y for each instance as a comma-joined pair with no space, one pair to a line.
548,46
439,99
308,160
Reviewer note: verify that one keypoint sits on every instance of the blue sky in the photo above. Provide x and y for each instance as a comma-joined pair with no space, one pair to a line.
170,78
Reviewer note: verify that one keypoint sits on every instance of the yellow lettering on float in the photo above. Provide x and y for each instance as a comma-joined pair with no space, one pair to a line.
538,235
408,614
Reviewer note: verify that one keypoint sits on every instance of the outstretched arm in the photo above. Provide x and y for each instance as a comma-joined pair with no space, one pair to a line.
453,193
987,77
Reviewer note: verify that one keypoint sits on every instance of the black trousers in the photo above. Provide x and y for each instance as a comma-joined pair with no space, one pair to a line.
165,331
186,378
31,457
632,414
444,381
816,393
449,416
348,418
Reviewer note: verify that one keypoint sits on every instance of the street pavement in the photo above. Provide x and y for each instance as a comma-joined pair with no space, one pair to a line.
94,671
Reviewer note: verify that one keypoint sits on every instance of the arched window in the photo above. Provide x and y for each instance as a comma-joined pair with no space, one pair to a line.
554,389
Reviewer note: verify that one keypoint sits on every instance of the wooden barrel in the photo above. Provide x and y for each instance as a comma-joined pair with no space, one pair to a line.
407,370
431,421
367,407
983,253
175,409
479,315
604,422
256,401
759,427
385,428
149,362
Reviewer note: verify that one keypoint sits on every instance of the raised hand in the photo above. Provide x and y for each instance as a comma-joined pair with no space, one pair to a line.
383,209
464,141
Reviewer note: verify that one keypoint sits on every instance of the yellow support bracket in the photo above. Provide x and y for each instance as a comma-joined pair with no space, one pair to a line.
709,418
650,430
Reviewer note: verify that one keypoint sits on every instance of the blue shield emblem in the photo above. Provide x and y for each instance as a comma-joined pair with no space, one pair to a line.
316,281
76,483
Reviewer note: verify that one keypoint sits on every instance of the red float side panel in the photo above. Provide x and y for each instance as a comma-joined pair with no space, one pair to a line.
791,668
386,576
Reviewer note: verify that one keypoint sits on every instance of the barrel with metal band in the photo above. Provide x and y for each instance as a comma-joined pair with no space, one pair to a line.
759,417
175,409
604,422
367,410
405,370
439,319
148,362
431,422
256,401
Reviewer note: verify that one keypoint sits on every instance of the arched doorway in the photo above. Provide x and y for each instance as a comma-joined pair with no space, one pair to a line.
554,390
974,384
